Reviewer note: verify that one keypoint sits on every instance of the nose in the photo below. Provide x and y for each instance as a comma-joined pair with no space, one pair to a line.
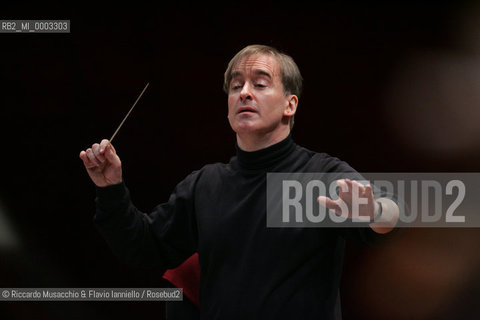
246,93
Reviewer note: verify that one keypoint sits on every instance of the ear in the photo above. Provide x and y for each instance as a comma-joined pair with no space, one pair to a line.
291,106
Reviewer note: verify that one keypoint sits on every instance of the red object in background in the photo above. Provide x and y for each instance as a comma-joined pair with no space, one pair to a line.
187,276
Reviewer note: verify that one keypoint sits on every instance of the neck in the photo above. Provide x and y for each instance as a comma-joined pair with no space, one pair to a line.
254,141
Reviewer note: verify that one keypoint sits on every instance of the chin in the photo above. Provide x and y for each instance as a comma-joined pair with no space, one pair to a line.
244,126
245,130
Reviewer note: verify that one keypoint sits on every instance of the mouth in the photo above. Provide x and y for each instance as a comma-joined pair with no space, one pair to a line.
246,109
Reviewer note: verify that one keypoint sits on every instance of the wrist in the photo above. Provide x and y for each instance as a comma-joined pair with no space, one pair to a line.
386,220
377,212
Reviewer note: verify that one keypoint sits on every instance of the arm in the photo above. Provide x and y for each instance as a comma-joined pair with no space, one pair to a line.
162,238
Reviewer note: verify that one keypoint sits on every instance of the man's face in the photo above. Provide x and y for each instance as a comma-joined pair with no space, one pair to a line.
256,99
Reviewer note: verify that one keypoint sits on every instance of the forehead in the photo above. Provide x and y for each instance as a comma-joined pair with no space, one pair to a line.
257,62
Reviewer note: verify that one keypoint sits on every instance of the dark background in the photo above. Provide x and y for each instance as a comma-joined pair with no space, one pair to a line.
388,88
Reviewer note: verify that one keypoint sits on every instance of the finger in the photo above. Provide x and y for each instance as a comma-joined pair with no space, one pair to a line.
357,185
96,151
113,148
83,156
330,204
369,193
342,184
368,190
327,203
103,145
86,161
112,156
350,183
92,157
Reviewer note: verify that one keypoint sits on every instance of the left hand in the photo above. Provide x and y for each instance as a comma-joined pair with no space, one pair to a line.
348,190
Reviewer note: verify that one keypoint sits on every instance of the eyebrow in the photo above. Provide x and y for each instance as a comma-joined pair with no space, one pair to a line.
256,72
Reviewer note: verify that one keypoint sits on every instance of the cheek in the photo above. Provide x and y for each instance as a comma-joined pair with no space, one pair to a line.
231,103
278,104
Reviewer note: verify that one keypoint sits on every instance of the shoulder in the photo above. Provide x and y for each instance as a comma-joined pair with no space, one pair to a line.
324,162
206,176
209,172
214,168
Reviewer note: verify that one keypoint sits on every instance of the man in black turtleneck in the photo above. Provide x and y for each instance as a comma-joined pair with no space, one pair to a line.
248,271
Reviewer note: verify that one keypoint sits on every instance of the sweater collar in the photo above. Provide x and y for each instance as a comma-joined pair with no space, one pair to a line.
267,157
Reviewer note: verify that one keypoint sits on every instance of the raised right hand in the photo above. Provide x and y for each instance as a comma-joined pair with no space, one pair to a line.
103,164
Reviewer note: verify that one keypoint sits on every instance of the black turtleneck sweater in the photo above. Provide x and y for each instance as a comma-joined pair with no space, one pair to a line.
248,271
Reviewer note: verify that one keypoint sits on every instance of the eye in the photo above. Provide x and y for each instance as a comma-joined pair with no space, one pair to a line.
259,85
235,85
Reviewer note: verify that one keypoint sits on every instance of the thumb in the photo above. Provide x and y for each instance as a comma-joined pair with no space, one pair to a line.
331,205
112,156
327,202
